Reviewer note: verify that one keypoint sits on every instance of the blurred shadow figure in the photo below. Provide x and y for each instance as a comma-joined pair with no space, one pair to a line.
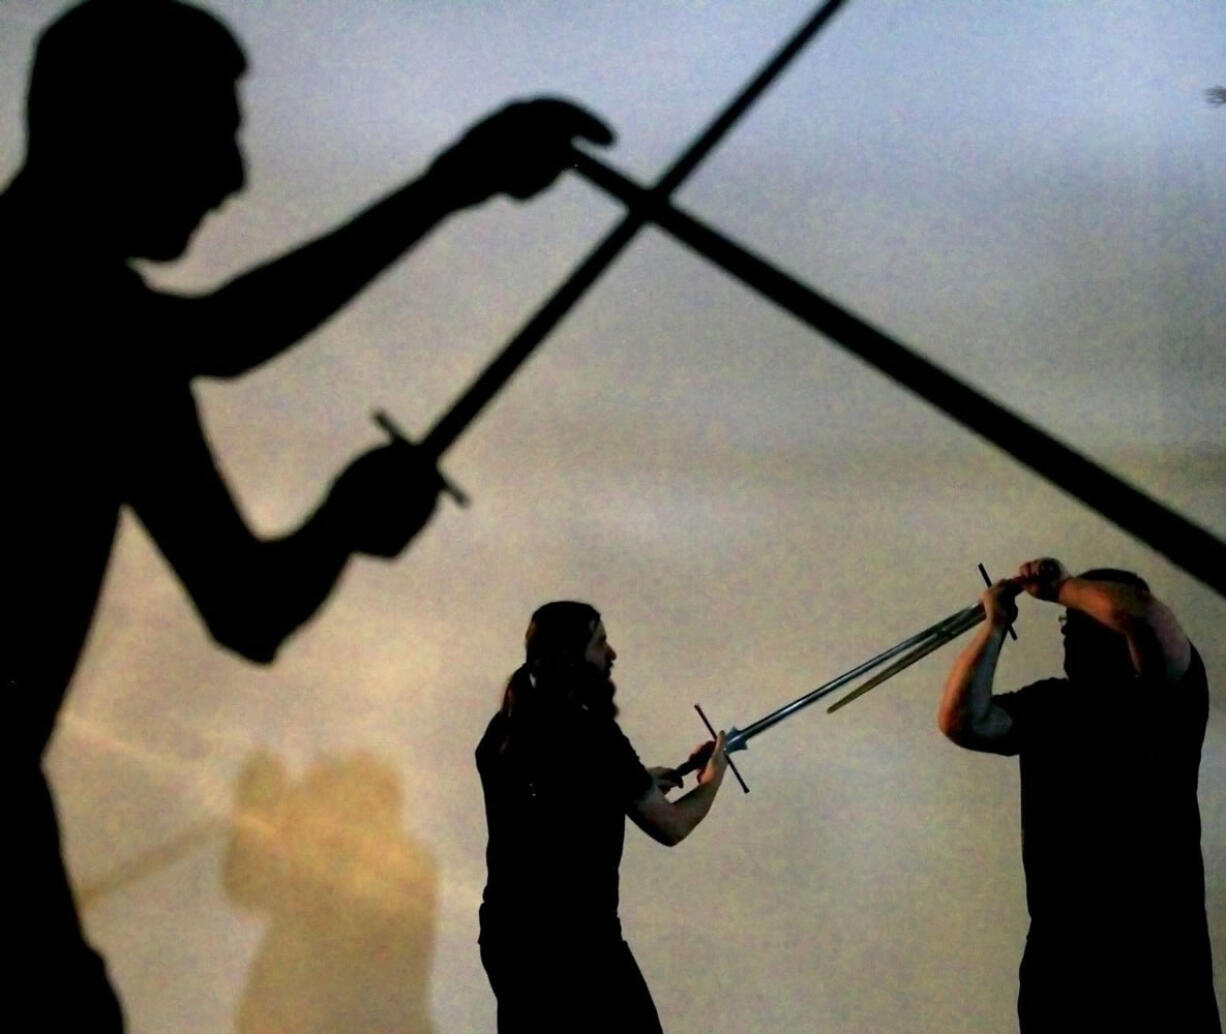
559,779
1109,758
132,116
350,898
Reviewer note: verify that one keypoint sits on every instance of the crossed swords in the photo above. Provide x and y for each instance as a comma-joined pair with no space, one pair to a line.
1184,543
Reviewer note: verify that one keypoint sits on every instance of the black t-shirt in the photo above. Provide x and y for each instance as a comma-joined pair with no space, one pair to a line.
97,412
557,785
1110,821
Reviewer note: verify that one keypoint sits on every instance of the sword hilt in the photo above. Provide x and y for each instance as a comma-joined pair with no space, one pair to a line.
693,766
987,580
446,484
1048,569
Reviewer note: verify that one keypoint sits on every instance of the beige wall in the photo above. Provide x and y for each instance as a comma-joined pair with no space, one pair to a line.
753,511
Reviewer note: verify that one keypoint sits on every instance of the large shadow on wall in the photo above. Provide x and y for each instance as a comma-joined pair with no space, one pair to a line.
350,900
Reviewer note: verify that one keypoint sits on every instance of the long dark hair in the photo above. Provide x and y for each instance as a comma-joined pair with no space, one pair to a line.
558,634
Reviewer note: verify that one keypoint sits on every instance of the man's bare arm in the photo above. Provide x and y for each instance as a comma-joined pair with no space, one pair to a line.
251,592
519,151
1160,650
968,715
670,822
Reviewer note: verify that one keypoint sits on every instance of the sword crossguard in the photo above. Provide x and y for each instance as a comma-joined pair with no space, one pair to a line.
741,746
396,434
987,580
912,649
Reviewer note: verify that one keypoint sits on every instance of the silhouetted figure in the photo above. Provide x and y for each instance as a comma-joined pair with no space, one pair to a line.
350,899
559,779
1109,758
132,118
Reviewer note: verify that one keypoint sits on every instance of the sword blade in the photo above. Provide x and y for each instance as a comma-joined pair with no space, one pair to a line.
941,632
1182,541
905,662
517,351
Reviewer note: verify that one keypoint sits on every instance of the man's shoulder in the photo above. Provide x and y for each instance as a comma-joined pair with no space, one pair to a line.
91,334
76,313
1196,675
602,726
495,732
1188,697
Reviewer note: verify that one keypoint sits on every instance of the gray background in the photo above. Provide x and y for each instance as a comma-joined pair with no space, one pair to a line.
1029,194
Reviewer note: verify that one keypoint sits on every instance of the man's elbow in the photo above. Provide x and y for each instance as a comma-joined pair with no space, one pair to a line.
960,730
672,837
664,832
664,829
258,653
984,737
951,725
252,640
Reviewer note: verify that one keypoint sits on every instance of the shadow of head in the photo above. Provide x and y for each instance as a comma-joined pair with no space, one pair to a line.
132,117
349,899
330,840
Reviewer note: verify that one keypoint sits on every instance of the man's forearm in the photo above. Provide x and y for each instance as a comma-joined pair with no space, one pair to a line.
967,701
693,807
252,601
1118,606
1156,642
261,313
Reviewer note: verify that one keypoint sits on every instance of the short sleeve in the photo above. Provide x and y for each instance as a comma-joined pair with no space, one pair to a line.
1186,704
1026,707
629,779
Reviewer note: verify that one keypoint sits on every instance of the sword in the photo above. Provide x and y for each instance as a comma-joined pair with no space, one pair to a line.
907,652
526,340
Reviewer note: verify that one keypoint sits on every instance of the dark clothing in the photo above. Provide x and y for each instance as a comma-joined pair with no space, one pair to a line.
56,981
557,785
1115,881
77,426
89,423
97,413
556,793
564,986
90,426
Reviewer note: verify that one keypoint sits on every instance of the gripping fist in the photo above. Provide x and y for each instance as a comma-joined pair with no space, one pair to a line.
384,498
519,150
716,762
1000,602
1042,578
666,779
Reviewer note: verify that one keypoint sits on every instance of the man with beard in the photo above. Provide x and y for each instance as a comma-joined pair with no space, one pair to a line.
132,121
559,779
1109,757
